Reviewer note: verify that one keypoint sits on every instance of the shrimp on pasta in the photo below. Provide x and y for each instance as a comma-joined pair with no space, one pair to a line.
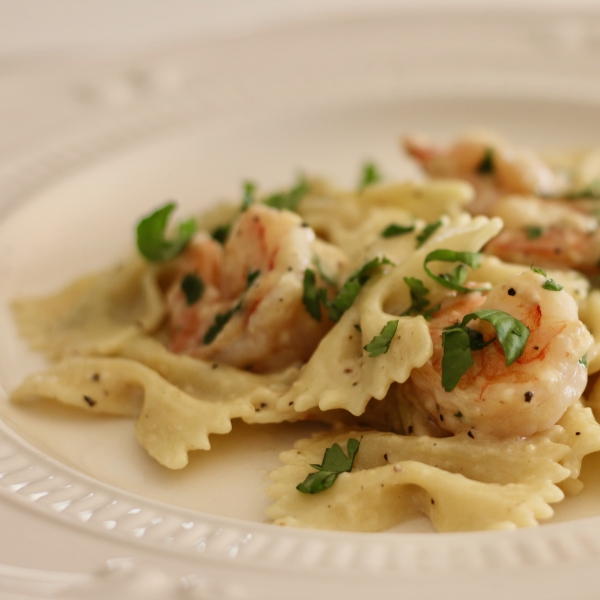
493,400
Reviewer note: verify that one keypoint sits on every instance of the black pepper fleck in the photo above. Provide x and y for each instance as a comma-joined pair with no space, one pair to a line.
263,405
528,396
215,366
471,435
96,377
536,347
441,417
432,501
385,457
410,429
89,400
578,433
512,292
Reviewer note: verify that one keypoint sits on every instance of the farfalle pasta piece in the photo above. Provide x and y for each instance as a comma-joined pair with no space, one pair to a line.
171,422
473,486
340,374
96,314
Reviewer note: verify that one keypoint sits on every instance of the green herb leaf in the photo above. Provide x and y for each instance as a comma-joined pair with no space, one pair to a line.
512,334
417,295
220,321
460,341
380,344
455,279
590,191
427,232
393,230
538,270
249,189
151,241
251,278
289,199
335,462
584,360
221,233
193,288
486,166
551,285
317,262
370,175
533,232
311,295
457,358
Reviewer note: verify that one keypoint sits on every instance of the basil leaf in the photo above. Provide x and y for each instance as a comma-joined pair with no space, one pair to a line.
290,199
533,232
417,295
486,166
455,279
512,334
393,230
380,344
311,296
192,287
370,175
151,241
427,232
457,358
551,285
334,462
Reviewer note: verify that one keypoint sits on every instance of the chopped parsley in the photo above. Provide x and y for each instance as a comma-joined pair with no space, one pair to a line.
221,233
538,270
334,462
380,344
459,341
427,232
312,295
458,276
370,174
584,360
551,285
192,287
249,189
486,166
151,241
289,199
251,278
533,232
417,295
220,321
393,230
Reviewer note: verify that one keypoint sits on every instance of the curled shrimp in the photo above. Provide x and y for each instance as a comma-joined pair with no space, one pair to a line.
492,400
549,234
250,313
491,165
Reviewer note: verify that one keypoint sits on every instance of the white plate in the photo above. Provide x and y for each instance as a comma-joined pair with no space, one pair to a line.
190,123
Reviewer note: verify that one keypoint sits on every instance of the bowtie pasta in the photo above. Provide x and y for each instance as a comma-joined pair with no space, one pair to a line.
447,331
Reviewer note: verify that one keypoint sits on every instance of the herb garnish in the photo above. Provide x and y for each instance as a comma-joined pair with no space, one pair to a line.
220,321
334,462
393,229
459,341
533,232
370,175
538,270
551,285
418,291
312,295
193,288
249,189
486,166
251,278
290,199
151,240
380,344
456,278
221,233
427,232
590,191
584,360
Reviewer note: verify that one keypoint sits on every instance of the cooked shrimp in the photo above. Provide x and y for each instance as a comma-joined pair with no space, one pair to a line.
250,314
492,166
530,395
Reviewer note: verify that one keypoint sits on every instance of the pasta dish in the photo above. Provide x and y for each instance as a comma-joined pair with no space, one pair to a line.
447,331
